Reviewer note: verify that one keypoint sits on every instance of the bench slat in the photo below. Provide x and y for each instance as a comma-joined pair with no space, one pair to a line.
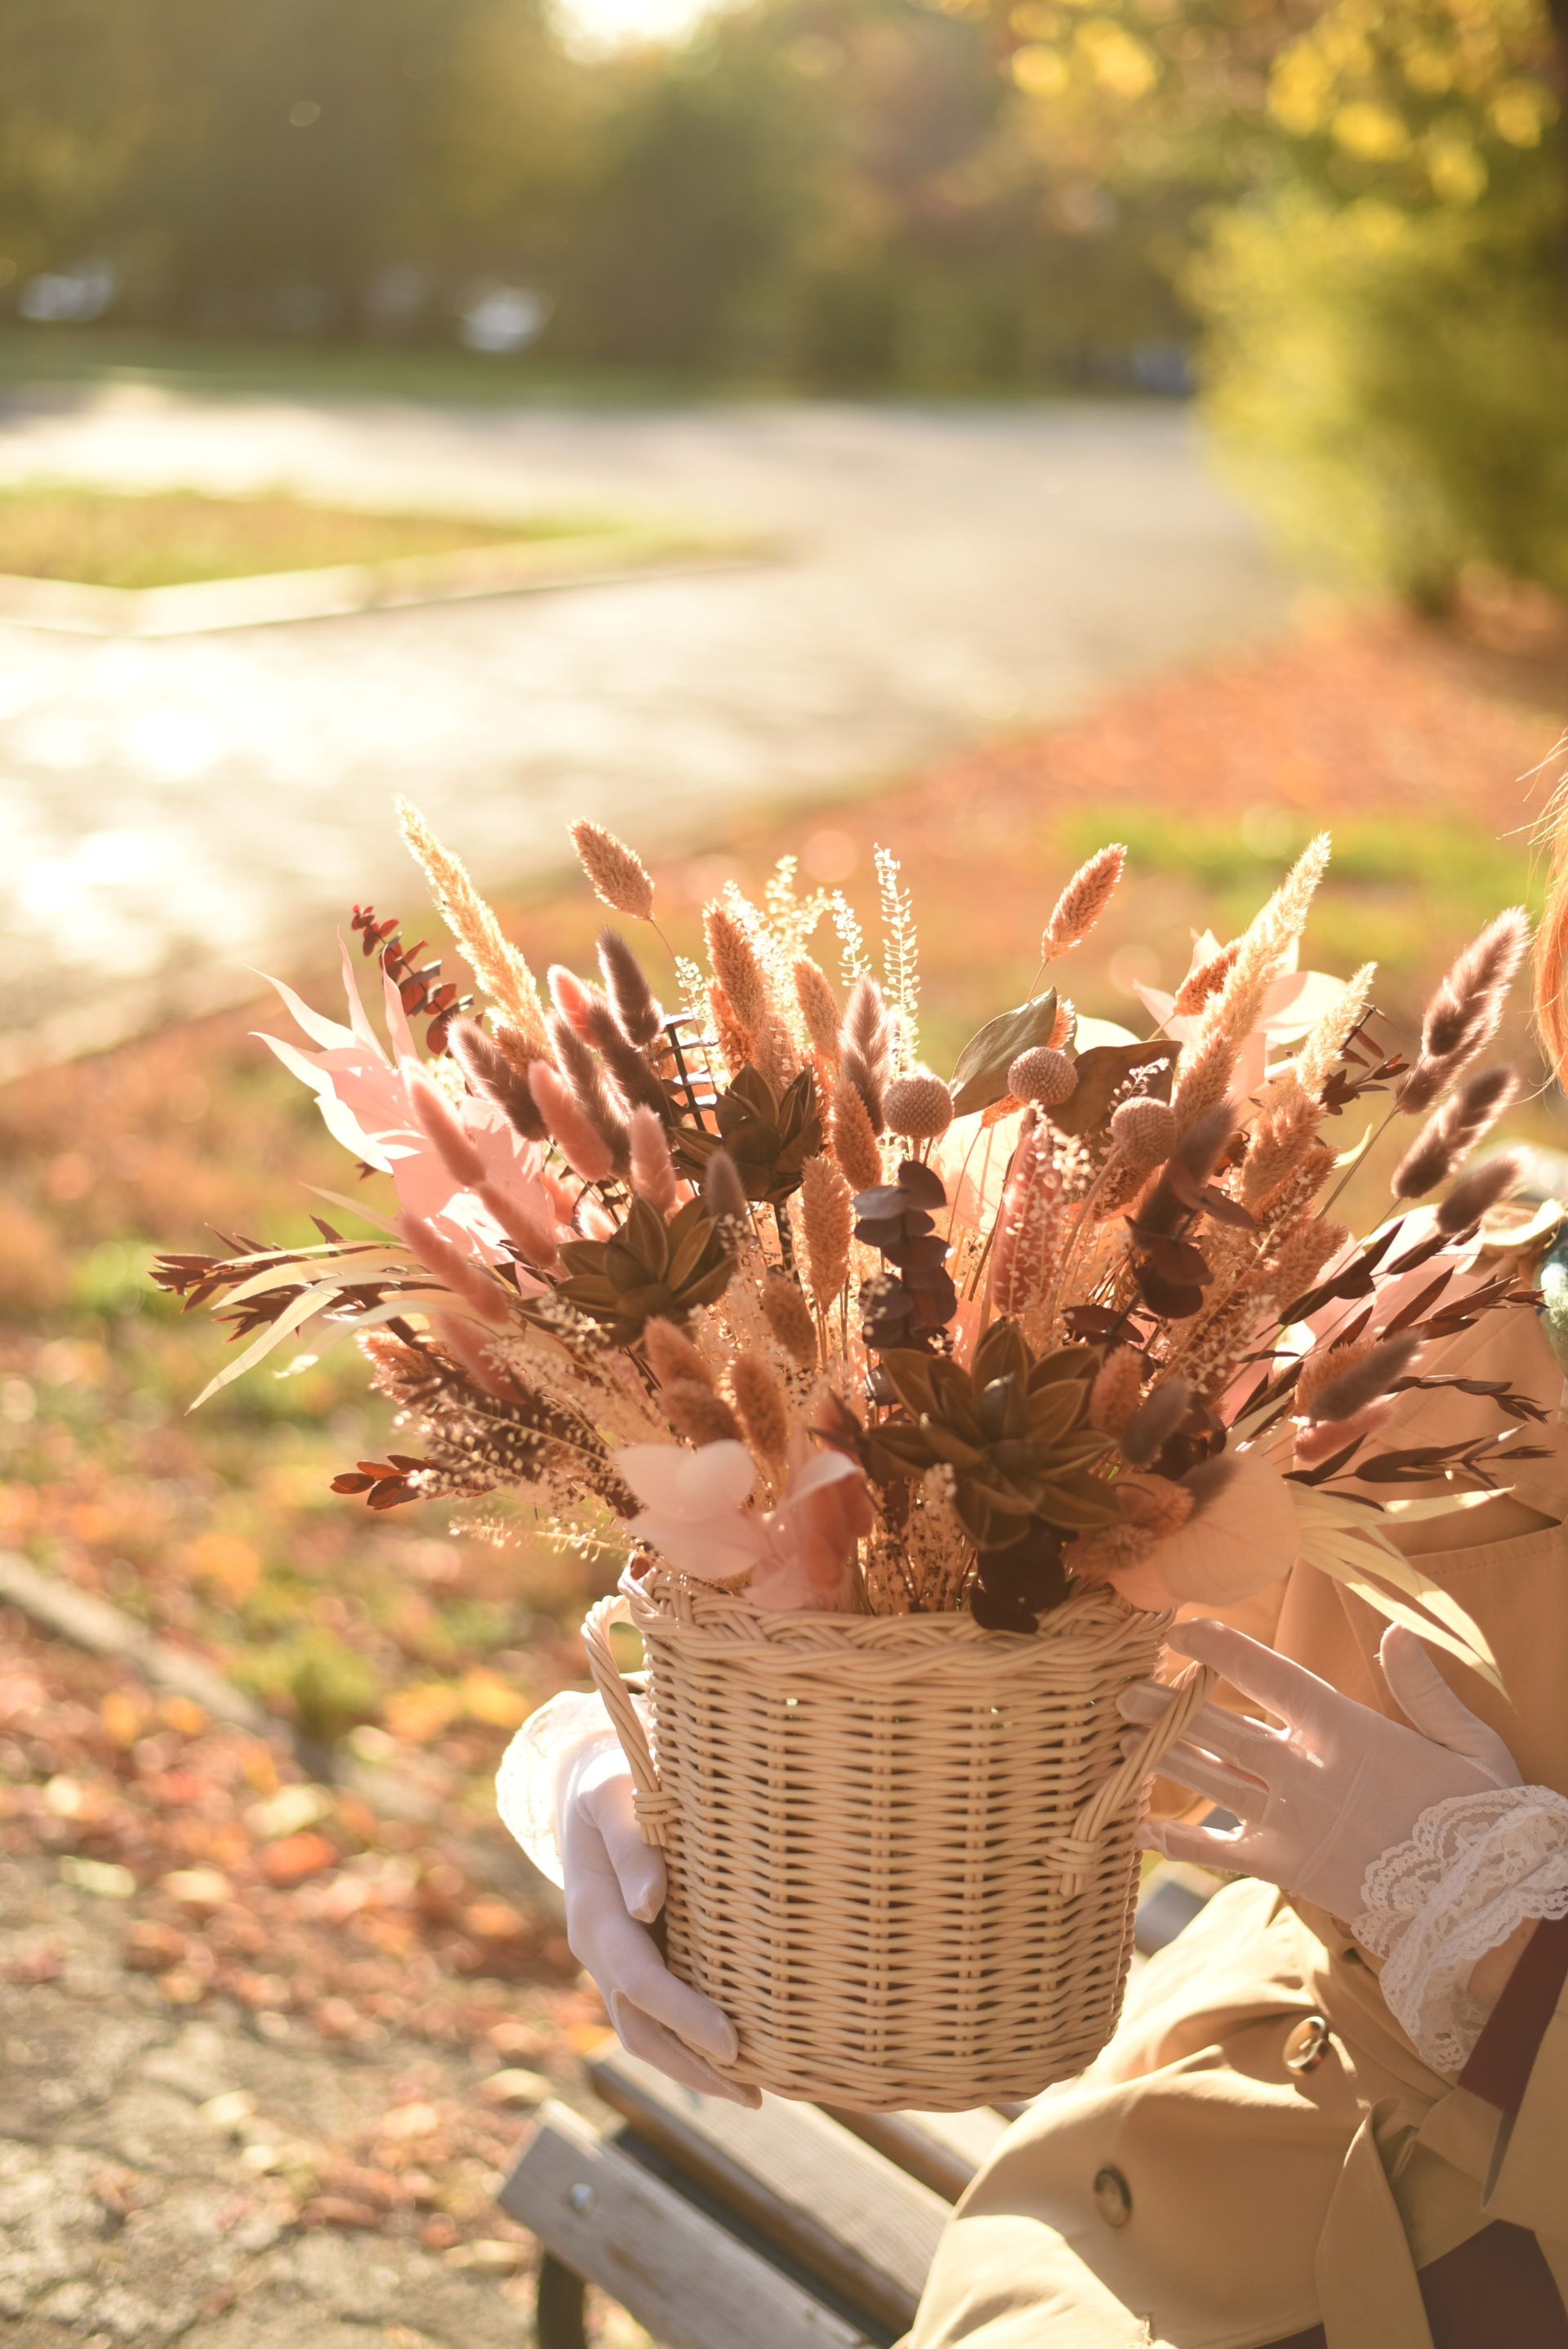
672,2269
831,2202
943,2150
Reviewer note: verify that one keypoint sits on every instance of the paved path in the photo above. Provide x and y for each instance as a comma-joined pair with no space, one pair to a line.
170,810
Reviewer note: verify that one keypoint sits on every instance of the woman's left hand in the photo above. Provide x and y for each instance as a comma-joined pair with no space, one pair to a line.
1324,1795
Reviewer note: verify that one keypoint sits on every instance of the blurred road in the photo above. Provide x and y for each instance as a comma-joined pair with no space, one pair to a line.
172,810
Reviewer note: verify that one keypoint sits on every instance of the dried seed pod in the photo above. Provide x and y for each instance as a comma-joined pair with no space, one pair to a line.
788,1317
618,876
1144,1131
734,1040
1044,1076
918,1106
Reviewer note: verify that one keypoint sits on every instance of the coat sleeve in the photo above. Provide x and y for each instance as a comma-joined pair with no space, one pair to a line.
1520,2064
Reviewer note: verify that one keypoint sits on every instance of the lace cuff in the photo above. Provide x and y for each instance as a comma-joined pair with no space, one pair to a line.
530,1771
1476,1866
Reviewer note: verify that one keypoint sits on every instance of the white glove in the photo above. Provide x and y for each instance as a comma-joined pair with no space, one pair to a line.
567,1761
1337,1786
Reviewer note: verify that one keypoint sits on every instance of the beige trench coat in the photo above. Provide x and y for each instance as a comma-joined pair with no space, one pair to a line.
1264,2201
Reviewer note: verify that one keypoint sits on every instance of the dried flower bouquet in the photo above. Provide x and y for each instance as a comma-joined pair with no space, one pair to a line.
743,1284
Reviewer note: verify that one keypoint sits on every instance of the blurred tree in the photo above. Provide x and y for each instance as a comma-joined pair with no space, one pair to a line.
1382,276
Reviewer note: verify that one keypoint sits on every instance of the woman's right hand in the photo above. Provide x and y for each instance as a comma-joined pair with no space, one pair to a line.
614,1886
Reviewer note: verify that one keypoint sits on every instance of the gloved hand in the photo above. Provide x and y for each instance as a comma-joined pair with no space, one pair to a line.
615,1885
1324,1796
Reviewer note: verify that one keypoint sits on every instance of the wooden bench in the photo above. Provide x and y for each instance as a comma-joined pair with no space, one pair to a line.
796,2227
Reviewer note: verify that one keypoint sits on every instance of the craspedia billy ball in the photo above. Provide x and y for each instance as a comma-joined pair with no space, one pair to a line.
1144,1131
918,1106
1044,1076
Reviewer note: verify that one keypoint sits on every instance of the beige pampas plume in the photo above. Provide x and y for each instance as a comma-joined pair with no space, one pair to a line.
854,1138
616,874
1083,901
759,1400
789,1318
736,967
828,1222
819,1008
497,965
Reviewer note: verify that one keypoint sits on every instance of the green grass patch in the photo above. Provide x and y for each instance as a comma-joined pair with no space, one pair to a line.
1392,886
171,538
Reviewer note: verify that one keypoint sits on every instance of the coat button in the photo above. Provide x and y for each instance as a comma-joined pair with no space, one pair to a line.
1307,2044
1112,2197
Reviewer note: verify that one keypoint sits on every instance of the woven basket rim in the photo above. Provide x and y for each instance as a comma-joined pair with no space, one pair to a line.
1091,1621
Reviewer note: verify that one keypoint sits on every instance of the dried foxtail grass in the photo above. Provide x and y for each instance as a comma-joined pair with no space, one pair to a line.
764,1413
827,1227
1210,1062
1453,1129
1083,901
736,967
672,1356
819,1008
854,1138
788,1319
501,970
1466,1009
1320,1053
616,874
694,1412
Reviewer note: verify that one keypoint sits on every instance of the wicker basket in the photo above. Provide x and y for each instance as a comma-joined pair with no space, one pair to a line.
901,1849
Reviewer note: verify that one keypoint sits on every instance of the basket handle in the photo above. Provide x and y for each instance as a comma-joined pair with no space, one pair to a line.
653,1807
1073,1853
